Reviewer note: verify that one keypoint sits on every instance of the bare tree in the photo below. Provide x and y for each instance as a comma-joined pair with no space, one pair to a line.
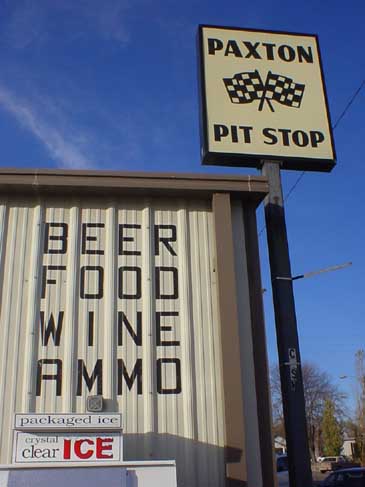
318,388
360,403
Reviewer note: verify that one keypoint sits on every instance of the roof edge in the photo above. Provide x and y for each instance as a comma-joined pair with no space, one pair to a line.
248,187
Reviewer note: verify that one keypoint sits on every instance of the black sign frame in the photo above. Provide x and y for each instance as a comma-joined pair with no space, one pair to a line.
240,159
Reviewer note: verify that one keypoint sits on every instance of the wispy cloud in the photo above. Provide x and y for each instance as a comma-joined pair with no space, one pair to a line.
107,18
26,22
22,23
63,144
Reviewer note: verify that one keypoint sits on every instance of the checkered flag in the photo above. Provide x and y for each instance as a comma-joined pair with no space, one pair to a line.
244,87
283,90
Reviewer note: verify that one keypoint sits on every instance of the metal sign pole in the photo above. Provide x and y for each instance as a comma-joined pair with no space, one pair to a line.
300,474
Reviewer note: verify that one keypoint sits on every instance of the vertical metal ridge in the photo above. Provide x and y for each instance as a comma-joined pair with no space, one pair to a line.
120,349
135,215
9,251
198,340
216,332
172,401
83,352
162,420
213,437
71,309
110,315
45,303
149,309
186,321
61,290
190,428
133,351
217,472
91,353
18,297
52,351
4,212
32,311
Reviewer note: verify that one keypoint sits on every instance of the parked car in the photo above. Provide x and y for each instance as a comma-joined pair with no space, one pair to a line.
330,464
282,470
347,477
283,479
282,463
340,458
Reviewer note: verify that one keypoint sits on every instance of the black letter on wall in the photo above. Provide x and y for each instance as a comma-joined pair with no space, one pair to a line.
165,240
96,375
124,279
122,238
90,238
50,329
175,291
46,281
177,388
100,282
137,337
164,328
57,376
61,238
129,379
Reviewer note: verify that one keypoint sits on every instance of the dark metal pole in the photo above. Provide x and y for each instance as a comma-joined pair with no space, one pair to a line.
300,474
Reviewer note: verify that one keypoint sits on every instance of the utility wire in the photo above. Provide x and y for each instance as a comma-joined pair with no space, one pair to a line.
349,104
302,174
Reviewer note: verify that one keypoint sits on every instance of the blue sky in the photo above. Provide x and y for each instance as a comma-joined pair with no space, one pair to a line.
113,85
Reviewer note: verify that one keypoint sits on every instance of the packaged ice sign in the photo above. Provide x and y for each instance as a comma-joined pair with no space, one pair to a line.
263,97
77,422
66,447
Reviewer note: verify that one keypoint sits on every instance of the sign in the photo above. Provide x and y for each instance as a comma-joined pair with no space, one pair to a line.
77,422
263,98
293,368
93,279
66,447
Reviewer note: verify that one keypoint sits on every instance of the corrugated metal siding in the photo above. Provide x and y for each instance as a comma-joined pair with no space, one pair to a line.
188,426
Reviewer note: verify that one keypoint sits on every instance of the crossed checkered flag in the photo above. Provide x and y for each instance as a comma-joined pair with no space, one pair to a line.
248,87
244,87
283,90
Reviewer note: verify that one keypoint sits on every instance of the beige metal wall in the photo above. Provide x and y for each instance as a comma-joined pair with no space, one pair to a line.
160,421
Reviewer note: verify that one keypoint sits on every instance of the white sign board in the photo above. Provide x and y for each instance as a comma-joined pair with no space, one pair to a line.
263,97
66,447
77,422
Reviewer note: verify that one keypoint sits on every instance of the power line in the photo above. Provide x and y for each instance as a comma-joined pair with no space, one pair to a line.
349,104
300,177
294,185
